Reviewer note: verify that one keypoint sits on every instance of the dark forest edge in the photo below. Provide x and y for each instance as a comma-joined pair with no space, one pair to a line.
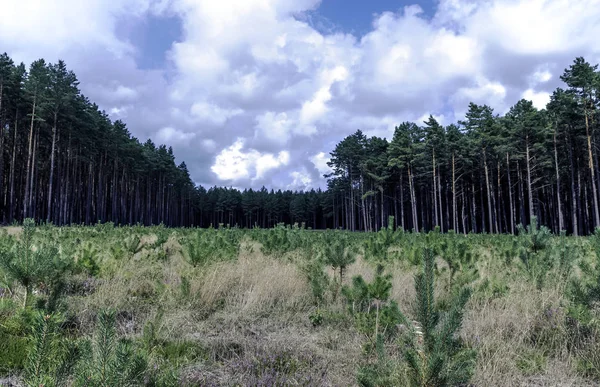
64,161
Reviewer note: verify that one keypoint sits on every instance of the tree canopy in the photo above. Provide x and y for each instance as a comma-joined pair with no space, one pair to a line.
63,160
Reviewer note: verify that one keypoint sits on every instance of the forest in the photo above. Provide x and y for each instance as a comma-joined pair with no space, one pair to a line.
480,264
62,160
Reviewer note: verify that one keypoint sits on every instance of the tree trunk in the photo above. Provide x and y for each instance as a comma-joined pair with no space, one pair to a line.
489,194
573,192
435,209
402,200
27,186
561,222
413,200
49,215
510,196
529,187
441,210
12,170
454,219
592,172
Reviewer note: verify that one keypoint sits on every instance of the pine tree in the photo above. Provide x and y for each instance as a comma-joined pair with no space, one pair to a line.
437,357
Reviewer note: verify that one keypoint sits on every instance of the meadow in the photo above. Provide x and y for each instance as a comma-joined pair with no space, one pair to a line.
127,306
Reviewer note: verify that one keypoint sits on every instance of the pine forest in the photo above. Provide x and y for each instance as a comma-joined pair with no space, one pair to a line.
64,161
458,255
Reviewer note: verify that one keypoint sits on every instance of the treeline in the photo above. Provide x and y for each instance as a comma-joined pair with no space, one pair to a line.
487,173
63,160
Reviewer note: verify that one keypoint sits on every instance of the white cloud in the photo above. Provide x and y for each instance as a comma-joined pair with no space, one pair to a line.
208,112
535,27
251,70
275,127
541,76
233,163
119,112
540,99
301,180
125,93
320,161
171,135
267,162
315,108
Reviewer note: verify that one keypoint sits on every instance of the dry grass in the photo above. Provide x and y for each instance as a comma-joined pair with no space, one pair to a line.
254,304
519,334
235,310
253,284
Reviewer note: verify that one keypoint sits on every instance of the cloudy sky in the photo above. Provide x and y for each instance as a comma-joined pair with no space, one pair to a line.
258,92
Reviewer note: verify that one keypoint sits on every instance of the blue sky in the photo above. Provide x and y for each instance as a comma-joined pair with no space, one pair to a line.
154,34
356,16
258,92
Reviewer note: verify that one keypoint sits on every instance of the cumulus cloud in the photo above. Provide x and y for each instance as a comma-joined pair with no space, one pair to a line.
170,135
234,163
301,181
320,161
251,93
540,99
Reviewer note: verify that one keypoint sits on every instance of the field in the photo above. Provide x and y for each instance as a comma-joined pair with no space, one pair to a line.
109,305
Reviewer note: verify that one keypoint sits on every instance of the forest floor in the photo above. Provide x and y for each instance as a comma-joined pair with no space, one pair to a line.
232,321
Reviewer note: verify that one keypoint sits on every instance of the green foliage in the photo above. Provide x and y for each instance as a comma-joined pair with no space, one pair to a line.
337,255
51,360
457,252
534,252
374,313
378,245
87,260
585,292
109,361
133,244
318,280
209,246
436,356
33,266
382,372
13,333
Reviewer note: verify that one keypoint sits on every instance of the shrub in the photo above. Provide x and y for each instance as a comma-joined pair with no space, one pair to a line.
435,355
34,266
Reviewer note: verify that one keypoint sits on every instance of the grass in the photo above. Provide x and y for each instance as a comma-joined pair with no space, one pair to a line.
244,318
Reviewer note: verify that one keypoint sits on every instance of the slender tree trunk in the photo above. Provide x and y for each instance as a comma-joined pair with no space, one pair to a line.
32,198
474,209
441,211
574,208
529,187
454,219
27,186
510,196
413,200
489,194
381,209
500,204
49,217
561,222
592,172
521,194
586,207
12,169
402,200
435,209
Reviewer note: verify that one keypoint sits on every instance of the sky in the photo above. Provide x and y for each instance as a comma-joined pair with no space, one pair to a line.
258,92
